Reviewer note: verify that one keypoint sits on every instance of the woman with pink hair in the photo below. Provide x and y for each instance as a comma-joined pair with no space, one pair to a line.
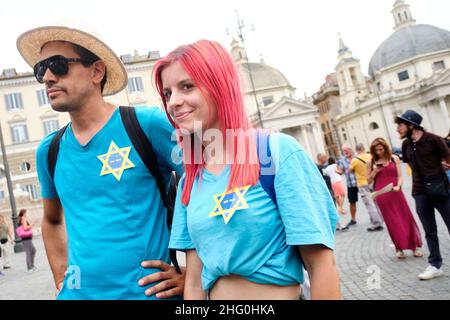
247,231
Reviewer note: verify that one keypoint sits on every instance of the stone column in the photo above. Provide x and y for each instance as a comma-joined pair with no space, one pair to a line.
364,130
444,111
394,139
318,138
426,123
306,141
348,78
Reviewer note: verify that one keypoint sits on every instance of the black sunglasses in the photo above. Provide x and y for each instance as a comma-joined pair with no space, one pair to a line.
58,65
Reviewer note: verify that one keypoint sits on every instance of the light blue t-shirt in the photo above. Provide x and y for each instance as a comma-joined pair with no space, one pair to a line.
258,241
114,215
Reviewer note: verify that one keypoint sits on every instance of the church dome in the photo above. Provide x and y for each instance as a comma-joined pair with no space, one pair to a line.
264,76
407,43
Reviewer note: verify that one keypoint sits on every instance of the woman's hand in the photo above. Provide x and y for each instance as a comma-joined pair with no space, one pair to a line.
373,174
375,170
377,167
397,188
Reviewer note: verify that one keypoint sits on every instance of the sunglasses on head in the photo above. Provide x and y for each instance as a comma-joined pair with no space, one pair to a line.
58,65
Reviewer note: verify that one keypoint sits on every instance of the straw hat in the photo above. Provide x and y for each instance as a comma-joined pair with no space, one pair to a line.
31,42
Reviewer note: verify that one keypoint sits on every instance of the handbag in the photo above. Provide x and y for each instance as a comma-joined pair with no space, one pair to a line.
436,187
24,234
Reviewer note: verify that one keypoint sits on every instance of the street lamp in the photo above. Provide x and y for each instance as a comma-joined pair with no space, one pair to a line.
240,26
18,247
381,105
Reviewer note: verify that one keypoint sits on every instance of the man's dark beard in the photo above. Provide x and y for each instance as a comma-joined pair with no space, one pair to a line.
63,108
409,133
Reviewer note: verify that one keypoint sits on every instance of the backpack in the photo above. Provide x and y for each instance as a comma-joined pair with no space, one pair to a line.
147,154
267,180
268,184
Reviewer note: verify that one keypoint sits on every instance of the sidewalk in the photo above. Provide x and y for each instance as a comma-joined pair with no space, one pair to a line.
18,284
369,269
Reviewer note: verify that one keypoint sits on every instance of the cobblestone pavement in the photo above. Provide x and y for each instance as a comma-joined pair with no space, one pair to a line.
370,270
363,256
368,267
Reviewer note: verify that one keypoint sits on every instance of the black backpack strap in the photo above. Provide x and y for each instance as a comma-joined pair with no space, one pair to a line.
171,196
361,160
147,154
53,150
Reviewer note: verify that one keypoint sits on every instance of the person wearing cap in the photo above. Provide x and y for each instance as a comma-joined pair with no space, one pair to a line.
104,224
428,156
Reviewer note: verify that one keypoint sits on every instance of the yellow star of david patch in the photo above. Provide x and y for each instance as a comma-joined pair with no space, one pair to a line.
115,161
229,202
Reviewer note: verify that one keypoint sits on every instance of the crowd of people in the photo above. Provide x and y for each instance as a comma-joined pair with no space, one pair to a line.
252,213
377,177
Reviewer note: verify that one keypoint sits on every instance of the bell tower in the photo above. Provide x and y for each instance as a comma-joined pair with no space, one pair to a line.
402,15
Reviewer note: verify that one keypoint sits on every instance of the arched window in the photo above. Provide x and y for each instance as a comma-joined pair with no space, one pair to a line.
25,166
373,126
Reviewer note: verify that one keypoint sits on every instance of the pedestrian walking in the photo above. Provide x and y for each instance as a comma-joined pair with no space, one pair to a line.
6,238
337,184
343,166
429,158
322,164
359,167
383,170
26,234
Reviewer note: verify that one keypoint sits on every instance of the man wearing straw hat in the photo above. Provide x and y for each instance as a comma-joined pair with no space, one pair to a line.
104,224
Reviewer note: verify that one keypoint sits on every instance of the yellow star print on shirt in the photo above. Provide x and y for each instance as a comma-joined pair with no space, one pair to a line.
227,203
115,161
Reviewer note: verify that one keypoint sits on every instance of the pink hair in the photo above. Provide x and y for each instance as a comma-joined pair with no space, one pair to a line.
212,69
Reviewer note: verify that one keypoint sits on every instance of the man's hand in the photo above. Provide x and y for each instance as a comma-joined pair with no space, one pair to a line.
60,284
59,288
445,165
171,283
